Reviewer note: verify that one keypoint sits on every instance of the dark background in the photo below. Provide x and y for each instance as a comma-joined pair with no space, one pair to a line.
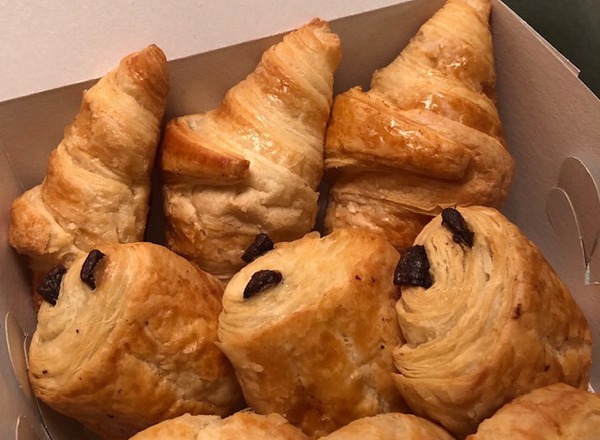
572,26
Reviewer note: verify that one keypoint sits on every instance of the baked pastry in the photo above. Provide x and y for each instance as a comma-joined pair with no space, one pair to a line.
557,411
252,165
130,341
98,178
240,426
426,136
390,426
310,327
495,322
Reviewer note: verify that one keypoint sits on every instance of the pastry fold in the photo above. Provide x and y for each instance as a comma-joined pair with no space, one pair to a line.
253,164
426,136
316,347
97,183
138,348
240,426
557,411
496,323
390,426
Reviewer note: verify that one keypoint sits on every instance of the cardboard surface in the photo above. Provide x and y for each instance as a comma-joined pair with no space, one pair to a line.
551,127
47,44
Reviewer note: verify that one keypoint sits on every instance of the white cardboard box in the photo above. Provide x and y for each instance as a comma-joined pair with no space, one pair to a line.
551,121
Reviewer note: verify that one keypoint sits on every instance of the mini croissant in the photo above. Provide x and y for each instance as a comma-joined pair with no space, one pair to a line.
426,136
252,165
98,179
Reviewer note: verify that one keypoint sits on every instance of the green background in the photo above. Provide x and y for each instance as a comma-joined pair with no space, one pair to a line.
572,26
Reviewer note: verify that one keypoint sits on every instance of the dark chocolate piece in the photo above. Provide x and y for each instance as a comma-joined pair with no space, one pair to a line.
516,314
50,287
455,222
261,245
413,268
261,281
87,270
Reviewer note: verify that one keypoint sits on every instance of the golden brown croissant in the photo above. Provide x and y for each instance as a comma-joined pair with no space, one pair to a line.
130,341
557,412
390,426
495,322
252,165
427,134
310,327
98,178
240,426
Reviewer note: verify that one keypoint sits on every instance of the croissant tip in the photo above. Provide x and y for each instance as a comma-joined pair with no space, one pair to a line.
481,7
155,50
318,22
151,53
149,66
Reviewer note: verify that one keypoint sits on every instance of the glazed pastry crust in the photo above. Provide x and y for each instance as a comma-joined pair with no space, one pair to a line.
316,347
496,323
425,137
253,164
557,411
390,426
98,178
240,426
138,349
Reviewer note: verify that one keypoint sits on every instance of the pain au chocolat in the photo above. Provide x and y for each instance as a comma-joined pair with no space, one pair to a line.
310,326
97,184
240,426
557,411
253,164
485,318
390,426
426,136
126,339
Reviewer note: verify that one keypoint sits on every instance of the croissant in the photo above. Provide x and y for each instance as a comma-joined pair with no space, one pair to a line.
98,178
557,411
240,426
126,339
252,165
485,318
390,426
426,136
310,327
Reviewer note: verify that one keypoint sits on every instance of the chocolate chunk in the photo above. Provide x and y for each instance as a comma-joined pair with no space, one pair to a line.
261,281
516,313
413,268
87,270
50,287
261,245
455,222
